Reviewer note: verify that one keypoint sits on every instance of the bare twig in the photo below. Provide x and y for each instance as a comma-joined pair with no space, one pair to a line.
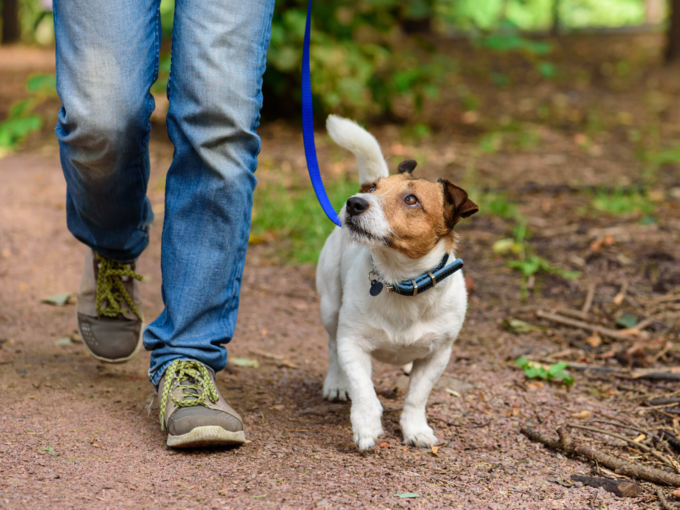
619,466
618,299
266,355
663,501
589,298
647,449
611,333
620,488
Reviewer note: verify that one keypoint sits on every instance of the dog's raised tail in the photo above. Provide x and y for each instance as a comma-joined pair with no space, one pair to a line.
351,136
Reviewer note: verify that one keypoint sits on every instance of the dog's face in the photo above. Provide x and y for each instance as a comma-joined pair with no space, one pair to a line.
406,214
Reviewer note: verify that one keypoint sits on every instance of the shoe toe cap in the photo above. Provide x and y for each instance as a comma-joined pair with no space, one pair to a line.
185,419
110,338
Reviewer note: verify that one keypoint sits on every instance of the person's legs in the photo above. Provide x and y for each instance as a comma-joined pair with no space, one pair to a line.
107,60
218,59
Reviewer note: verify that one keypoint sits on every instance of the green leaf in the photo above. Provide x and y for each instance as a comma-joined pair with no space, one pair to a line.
522,362
627,321
518,327
42,83
557,368
58,299
63,341
244,362
408,495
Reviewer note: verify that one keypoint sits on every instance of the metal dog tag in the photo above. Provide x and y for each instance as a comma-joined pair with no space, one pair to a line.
376,287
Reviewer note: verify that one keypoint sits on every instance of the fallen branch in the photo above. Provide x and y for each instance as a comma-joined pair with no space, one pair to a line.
611,333
620,488
589,299
643,447
663,501
619,466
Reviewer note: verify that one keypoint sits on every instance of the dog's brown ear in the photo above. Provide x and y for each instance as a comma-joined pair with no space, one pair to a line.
407,166
457,205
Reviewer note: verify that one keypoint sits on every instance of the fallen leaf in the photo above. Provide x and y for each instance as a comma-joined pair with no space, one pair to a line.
75,337
63,341
435,449
244,362
534,384
408,495
57,299
594,341
639,438
676,493
452,392
518,326
6,253
384,445
583,415
627,321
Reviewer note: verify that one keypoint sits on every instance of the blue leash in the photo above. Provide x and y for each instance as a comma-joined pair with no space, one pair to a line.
308,128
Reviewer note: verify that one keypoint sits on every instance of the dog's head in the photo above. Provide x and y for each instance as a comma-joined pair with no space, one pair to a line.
406,214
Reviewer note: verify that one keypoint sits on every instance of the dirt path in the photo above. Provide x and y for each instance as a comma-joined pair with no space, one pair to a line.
75,433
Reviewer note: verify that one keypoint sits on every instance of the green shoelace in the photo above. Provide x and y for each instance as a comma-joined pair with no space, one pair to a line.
110,287
193,394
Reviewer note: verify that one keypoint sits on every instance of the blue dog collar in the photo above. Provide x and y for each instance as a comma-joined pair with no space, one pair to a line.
418,285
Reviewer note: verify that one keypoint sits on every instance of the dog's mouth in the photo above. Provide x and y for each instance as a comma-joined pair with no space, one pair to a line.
361,234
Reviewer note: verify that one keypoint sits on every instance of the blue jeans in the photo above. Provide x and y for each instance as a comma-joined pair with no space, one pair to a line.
107,59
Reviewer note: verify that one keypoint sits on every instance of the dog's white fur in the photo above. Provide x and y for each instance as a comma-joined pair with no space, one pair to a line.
391,328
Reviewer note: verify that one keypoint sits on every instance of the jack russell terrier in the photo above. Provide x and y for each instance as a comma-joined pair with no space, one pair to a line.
388,288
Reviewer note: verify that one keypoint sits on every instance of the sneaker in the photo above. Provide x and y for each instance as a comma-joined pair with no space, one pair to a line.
193,411
109,309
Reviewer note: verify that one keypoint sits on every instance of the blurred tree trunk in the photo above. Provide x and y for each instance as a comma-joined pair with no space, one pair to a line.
555,28
11,30
673,35
655,11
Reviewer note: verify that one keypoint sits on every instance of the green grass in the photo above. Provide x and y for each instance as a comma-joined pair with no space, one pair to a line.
622,202
295,220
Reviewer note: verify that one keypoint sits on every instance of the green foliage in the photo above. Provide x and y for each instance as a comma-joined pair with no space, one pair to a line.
527,263
554,372
496,203
622,202
21,121
514,42
295,219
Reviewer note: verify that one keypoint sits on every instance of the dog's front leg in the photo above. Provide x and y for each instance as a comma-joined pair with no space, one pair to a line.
424,376
366,411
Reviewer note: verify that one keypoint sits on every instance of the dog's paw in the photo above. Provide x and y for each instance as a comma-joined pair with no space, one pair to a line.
421,437
366,424
335,386
366,437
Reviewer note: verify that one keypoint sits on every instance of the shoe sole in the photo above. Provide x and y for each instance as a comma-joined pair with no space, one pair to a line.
110,360
206,436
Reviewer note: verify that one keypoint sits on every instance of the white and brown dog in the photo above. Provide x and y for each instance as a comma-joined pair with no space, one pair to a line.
397,228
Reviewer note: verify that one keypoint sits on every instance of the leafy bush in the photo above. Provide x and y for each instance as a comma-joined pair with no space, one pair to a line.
21,120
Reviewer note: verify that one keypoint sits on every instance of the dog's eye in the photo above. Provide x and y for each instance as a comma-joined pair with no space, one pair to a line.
372,188
411,200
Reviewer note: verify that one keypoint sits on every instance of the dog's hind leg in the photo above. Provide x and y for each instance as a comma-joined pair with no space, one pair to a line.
330,289
335,385
425,374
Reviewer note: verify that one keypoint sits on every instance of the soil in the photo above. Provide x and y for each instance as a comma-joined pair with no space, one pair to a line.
77,433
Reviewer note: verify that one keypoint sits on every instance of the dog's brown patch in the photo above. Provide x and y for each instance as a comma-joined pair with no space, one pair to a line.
417,228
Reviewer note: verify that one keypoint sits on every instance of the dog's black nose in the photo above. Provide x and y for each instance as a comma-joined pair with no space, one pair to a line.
356,206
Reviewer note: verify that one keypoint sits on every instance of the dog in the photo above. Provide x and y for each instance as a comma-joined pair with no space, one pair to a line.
396,228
